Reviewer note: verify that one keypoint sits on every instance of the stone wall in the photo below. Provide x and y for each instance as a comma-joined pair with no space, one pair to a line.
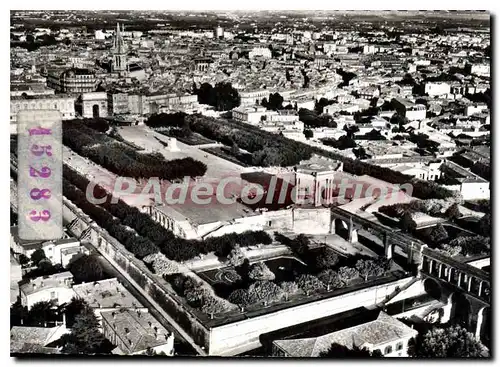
244,335
311,221
156,287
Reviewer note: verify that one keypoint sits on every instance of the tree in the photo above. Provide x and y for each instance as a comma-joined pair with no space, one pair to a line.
40,313
310,283
326,258
163,266
318,107
290,288
37,256
347,274
235,151
85,337
470,245
239,297
453,212
265,291
451,342
87,268
308,133
18,314
275,102
331,279
73,309
451,251
23,259
225,97
360,153
236,256
369,268
205,94
341,351
194,297
485,225
438,234
260,271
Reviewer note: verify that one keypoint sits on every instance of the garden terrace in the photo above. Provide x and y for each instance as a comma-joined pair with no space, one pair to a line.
284,278
257,310
211,322
124,160
266,149
270,149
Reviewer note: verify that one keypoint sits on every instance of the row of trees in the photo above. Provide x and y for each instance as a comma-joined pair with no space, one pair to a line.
432,207
323,274
136,244
123,160
42,313
198,295
342,143
266,149
467,246
275,150
264,290
223,96
314,119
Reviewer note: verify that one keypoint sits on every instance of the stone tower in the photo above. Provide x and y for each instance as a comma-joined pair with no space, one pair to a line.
119,63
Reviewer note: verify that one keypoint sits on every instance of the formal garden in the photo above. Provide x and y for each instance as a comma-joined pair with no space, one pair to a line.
241,283
123,159
268,149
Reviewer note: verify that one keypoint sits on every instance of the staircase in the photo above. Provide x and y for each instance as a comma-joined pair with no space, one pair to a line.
398,291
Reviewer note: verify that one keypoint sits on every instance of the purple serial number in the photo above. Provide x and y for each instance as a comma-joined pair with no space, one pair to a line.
44,172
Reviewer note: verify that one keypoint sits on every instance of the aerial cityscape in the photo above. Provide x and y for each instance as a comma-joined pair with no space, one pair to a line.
250,184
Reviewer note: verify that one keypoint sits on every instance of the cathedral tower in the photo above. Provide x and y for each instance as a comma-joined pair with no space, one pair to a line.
119,62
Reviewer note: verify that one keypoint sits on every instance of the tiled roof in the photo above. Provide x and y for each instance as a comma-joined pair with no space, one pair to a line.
380,331
28,339
109,293
138,330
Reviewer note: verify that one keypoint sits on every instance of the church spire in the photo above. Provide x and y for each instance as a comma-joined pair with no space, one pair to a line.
118,44
119,51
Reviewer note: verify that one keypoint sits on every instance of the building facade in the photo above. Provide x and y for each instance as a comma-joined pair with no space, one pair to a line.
62,103
73,80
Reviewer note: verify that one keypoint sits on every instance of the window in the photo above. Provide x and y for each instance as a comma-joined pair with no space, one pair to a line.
53,295
388,349
399,346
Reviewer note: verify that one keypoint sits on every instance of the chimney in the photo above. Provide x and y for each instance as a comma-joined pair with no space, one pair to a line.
113,314
34,286
127,331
